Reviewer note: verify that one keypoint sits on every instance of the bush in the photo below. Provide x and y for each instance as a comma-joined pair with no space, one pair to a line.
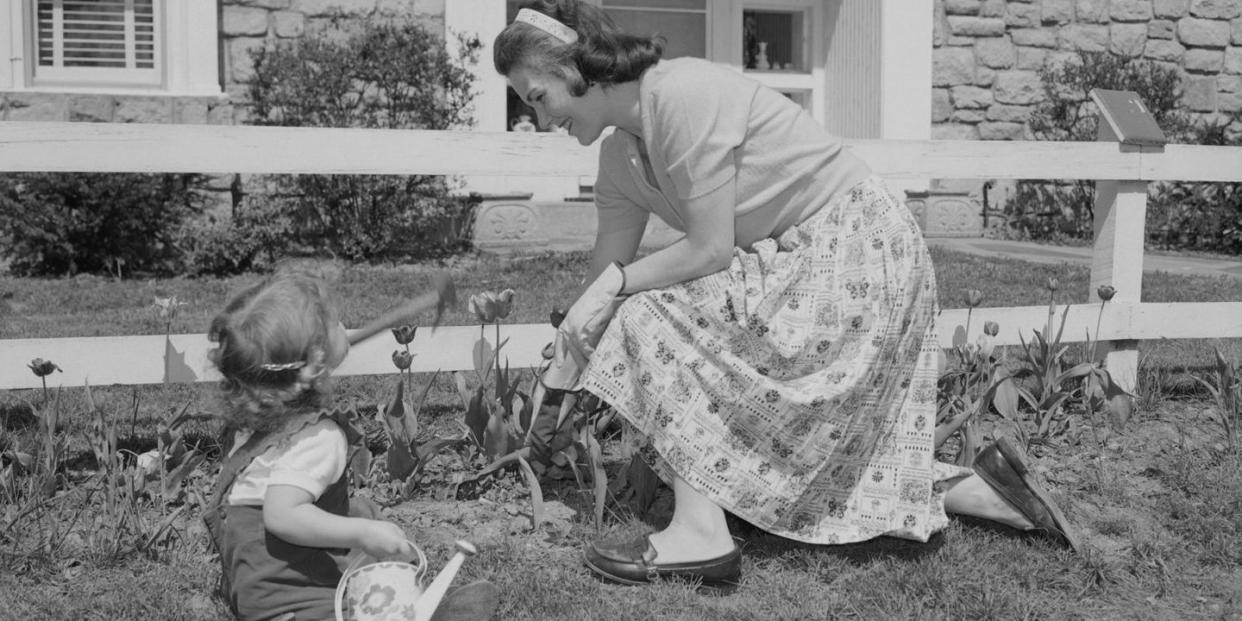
250,240
387,74
66,223
1199,216
1062,211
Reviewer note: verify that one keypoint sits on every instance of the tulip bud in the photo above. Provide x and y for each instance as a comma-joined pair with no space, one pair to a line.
1052,284
42,368
504,303
556,317
404,334
974,297
1106,292
402,359
991,328
167,307
483,307
490,307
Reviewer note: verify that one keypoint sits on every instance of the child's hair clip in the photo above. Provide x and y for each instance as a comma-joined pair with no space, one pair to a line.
288,366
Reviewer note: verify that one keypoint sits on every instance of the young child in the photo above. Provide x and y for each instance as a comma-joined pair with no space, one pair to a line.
280,516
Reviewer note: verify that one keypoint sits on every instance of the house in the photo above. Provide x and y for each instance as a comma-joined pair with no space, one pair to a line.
862,67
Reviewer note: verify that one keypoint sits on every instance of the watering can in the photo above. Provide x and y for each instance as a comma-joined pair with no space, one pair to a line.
395,589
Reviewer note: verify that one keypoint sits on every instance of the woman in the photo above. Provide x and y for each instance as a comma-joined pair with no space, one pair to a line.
779,359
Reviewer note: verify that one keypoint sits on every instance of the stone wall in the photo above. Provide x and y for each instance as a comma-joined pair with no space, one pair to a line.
987,54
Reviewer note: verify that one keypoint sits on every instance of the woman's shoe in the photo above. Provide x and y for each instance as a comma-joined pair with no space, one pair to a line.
634,563
1001,465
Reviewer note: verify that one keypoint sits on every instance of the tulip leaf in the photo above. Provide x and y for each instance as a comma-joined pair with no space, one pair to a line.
459,380
477,417
536,492
1077,370
598,474
482,357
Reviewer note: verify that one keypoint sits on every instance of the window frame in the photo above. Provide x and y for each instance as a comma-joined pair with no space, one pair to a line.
187,58
43,75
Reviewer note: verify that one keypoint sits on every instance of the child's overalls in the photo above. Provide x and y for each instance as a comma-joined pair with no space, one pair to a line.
265,577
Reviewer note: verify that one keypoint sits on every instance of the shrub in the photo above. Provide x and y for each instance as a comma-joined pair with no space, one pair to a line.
251,239
66,223
386,74
1050,210
1199,216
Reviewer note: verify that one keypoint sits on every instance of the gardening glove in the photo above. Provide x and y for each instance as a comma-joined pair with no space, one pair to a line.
582,328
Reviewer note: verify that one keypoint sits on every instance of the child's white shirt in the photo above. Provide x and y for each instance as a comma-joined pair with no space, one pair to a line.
311,459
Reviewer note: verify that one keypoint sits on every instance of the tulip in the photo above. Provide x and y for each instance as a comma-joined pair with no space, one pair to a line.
1052,284
402,359
404,334
42,368
1106,292
490,307
167,307
974,297
991,328
556,317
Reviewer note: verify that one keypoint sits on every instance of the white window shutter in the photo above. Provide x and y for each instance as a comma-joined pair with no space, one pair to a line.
98,41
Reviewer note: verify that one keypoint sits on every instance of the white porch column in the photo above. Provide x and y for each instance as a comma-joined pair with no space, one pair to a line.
906,76
484,19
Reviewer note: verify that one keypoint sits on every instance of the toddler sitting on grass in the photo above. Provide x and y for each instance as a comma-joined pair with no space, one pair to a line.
280,515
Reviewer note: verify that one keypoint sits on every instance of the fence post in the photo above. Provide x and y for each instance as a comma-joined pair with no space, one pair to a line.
1120,219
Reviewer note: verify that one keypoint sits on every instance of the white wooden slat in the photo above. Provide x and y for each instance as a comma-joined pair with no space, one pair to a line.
1119,321
139,359
974,159
135,147
1179,162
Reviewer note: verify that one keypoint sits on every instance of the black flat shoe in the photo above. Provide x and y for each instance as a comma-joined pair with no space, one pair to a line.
634,563
1001,465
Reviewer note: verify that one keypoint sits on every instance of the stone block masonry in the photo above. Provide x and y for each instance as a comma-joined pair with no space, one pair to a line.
987,55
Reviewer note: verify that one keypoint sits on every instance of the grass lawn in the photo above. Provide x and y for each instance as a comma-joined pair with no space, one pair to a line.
1156,502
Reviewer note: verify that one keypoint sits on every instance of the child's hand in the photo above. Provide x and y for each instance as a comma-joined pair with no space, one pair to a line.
384,540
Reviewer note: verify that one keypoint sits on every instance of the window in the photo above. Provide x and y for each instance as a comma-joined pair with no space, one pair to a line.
682,22
126,46
776,45
774,40
100,41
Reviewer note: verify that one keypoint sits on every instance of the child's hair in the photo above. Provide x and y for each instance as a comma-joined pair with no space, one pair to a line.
272,338
603,53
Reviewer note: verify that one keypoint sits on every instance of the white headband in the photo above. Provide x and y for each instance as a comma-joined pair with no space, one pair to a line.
547,24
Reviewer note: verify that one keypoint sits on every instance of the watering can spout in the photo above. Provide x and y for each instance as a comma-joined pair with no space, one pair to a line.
430,599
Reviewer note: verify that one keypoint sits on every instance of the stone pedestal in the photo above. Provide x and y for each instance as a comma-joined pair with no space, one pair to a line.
508,222
950,212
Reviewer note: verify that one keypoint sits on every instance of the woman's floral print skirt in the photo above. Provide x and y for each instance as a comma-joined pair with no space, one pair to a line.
797,389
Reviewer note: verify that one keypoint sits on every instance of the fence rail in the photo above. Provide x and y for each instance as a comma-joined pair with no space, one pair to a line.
1122,172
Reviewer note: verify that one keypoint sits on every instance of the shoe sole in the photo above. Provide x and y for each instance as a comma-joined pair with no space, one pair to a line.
1015,461
723,587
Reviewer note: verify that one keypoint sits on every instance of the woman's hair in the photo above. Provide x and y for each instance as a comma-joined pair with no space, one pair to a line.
272,338
603,53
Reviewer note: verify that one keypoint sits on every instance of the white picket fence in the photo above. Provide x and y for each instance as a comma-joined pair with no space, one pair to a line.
1121,171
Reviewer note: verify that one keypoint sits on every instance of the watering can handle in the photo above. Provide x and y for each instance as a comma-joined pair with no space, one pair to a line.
430,599
358,563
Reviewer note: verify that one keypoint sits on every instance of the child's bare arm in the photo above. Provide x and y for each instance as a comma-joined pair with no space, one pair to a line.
289,513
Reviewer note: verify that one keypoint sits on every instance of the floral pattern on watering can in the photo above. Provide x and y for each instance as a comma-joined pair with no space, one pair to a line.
383,591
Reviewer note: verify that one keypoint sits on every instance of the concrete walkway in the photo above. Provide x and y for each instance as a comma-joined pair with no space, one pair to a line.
1039,253
571,226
